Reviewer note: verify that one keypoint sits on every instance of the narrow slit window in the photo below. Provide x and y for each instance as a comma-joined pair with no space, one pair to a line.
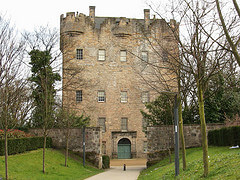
144,124
102,123
124,124
145,146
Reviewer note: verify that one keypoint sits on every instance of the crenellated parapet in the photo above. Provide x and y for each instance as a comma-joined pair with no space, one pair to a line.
74,24
123,28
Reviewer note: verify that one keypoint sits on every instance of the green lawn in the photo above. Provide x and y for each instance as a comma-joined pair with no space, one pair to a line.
29,166
224,163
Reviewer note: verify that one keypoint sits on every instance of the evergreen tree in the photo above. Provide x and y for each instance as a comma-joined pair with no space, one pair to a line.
43,79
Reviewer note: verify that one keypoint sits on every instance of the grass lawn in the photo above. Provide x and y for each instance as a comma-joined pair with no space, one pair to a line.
224,163
29,166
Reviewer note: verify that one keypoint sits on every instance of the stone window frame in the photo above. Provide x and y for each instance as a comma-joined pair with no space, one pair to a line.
145,97
79,97
124,124
79,54
102,123
123,55
144,56
123,97
101,96
101,55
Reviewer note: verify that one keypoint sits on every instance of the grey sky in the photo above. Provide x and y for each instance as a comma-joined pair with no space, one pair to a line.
27,14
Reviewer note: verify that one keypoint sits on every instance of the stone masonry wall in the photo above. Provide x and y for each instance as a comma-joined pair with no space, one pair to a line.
161,138
93,140
112,75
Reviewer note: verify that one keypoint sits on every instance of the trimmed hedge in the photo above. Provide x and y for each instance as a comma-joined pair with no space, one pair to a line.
21,145
228,136
105,162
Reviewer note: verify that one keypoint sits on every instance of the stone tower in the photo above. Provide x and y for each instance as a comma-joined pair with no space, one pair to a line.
104,60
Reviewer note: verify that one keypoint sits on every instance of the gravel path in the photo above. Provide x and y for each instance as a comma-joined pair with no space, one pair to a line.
133,168
117,173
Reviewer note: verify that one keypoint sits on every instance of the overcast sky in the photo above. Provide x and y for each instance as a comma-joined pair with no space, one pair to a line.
27,14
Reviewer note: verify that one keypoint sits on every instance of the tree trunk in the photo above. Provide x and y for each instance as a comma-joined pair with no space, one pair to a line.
229,39
44,148
203,128
181,134
180,122
6,153
169,154
66,151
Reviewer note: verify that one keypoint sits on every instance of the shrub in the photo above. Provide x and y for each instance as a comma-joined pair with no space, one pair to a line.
14,133
228,136
105,162
21,145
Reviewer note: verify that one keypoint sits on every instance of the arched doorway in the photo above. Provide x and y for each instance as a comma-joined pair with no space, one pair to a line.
124,148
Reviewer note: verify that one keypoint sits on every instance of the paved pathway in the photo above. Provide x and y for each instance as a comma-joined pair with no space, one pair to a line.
133,168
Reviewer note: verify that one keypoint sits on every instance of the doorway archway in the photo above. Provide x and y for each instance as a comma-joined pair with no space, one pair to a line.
124,148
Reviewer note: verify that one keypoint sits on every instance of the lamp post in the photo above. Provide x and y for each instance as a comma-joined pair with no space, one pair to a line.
176,135
83,134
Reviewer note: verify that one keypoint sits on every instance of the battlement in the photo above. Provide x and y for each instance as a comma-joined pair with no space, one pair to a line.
75,23
72,23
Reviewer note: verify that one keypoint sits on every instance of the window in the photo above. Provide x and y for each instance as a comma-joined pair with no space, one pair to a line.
144,125
124,124
123,55
101,54
165,56
103,147
144,56
145,97
124,96
79,96
101,123
145,146
79,54
101,96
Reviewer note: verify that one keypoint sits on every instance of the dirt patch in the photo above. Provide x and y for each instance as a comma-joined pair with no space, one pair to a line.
128,162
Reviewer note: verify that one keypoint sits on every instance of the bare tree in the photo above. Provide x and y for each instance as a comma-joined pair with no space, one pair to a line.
202,57
201,54
162,72
230,27
15,102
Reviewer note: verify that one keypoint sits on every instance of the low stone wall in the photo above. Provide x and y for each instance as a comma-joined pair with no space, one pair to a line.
161,138
93,142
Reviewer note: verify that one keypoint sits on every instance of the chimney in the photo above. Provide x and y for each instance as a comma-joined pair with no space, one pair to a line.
146,17
92,13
